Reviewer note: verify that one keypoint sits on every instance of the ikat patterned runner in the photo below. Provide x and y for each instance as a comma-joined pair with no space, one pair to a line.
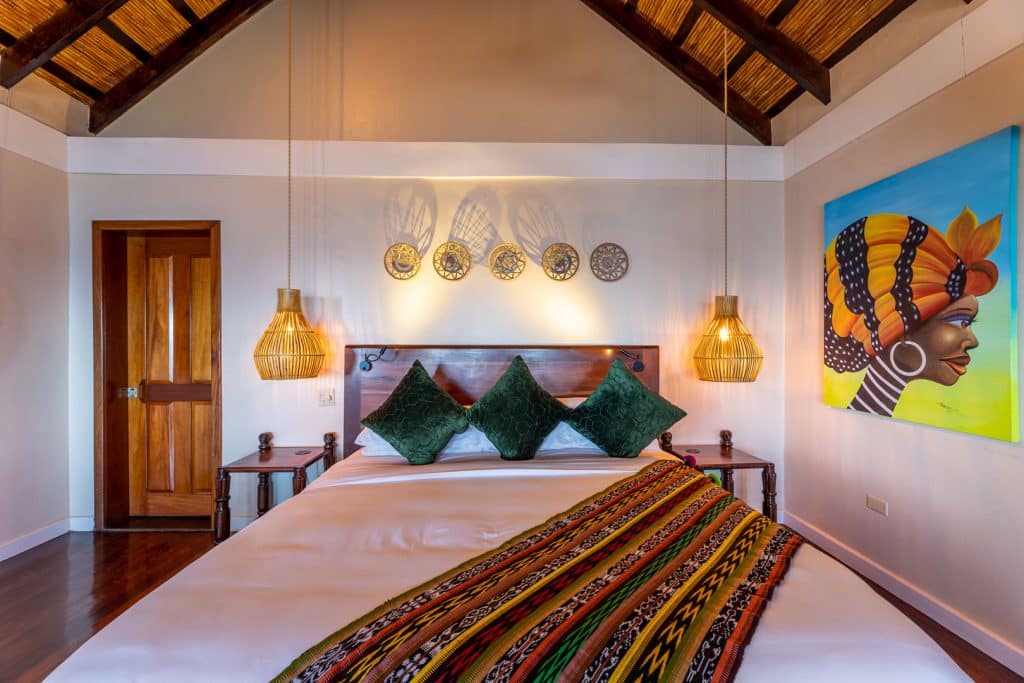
660,577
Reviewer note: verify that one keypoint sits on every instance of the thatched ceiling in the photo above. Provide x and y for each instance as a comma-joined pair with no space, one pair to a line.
112,53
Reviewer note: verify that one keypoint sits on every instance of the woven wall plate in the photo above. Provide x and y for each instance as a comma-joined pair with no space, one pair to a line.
506,261
402,261
560,261
609,262
452,261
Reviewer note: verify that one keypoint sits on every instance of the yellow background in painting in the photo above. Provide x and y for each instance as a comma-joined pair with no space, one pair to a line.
981,402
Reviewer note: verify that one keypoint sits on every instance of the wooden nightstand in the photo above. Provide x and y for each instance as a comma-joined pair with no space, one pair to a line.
267,460
726,458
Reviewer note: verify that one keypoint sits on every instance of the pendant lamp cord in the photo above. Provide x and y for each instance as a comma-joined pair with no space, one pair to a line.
963,47
725,147
289,144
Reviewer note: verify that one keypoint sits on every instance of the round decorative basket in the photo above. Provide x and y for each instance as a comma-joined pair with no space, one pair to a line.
609,262
452,261
402,261
506,261
560,261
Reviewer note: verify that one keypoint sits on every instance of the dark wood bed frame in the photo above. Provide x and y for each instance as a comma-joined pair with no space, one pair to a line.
467,372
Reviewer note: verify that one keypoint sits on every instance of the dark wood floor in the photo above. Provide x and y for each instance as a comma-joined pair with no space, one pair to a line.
53,597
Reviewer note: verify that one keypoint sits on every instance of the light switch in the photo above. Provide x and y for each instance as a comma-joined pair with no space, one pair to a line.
326,397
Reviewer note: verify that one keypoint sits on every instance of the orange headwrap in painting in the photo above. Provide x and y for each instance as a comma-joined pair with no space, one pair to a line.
886,274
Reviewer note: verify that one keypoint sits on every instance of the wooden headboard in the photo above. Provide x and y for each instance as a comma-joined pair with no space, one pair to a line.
467,372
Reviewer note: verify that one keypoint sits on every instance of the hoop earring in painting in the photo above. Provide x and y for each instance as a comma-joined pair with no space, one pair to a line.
911,373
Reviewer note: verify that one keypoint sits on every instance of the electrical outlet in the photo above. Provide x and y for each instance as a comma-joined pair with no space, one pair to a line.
326,398
878,505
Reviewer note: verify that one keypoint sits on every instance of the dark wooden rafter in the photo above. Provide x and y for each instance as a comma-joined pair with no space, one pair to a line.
42,43
121,38
189,45
775,45
185,11
687,24
57,71
780,12
683,65
852,43
124,40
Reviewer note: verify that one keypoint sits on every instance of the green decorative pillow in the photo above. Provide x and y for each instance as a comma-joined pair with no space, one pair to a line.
622,416
516,413
418,418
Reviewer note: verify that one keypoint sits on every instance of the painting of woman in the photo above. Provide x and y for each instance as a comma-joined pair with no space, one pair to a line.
901,299
920,292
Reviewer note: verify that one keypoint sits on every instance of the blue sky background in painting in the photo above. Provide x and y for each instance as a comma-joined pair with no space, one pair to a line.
981,175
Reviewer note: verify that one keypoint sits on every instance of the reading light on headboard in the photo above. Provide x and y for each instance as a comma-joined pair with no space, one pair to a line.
638,360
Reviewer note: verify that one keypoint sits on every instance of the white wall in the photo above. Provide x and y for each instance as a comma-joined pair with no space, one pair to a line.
33,353
949,543
910,30
672,231
444,70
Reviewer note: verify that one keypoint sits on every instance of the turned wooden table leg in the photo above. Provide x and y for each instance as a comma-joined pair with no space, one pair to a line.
298,480
330,446
768,490
263,494
727,481
222,513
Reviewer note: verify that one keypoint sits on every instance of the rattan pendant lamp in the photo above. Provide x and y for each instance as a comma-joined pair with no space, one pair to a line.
727,351
289,348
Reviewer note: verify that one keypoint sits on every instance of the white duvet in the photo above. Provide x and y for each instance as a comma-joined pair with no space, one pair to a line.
371,528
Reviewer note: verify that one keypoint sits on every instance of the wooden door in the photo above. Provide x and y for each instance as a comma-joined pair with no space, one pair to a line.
170,360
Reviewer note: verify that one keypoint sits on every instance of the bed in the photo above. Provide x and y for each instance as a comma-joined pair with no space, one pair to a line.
371,528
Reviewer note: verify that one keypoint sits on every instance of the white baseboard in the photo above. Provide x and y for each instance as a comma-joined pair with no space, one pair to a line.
982,638
24,542
83,524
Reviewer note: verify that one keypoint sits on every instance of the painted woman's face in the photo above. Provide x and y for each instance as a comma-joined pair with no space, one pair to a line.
946,338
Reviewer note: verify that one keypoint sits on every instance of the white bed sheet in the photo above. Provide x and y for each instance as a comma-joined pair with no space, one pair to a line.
371,528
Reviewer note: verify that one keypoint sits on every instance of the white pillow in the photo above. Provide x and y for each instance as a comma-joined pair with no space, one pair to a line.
564,436
470,441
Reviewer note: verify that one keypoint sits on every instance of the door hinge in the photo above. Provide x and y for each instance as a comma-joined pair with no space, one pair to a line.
128,392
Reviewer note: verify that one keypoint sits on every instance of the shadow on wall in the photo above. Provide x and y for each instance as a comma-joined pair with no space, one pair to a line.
473,223
536,223
410,215
10,340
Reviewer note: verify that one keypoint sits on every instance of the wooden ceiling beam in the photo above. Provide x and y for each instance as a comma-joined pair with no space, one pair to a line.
687,24
185,11
45,41
779,48
661,47
867,30
189,45
780,12
121,38
124,40
57,71
855,41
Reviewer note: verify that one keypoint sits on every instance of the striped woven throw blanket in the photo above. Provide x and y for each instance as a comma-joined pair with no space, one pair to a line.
660,577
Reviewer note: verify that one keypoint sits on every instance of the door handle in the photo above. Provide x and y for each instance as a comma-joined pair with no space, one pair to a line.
128,392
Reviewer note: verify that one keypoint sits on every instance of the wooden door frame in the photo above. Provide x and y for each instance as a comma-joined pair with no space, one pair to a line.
103,322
